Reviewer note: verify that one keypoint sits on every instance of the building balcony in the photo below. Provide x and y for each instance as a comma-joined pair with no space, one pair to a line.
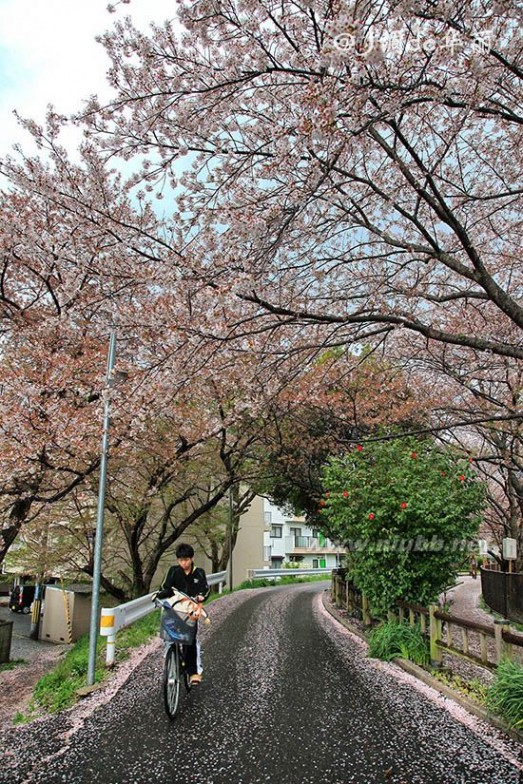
301,545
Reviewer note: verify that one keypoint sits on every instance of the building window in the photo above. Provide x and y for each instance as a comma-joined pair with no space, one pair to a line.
276,531
315,532
267,517
315,563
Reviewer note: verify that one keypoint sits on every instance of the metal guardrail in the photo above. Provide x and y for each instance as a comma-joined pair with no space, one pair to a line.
271,574
112,619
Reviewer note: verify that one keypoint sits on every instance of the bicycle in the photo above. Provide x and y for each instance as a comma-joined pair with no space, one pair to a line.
179,618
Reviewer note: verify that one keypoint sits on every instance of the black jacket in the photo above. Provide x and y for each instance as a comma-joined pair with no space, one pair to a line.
193,584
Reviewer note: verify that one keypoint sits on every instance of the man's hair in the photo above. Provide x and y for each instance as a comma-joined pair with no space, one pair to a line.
185,551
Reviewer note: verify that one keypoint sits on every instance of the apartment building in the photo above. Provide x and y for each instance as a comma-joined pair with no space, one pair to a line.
289,540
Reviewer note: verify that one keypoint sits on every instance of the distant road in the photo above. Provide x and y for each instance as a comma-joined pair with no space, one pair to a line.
289,697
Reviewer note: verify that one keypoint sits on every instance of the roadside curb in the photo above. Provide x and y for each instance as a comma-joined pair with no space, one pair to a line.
425,676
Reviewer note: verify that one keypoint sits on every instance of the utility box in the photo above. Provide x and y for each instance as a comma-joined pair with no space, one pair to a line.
510,550
66,614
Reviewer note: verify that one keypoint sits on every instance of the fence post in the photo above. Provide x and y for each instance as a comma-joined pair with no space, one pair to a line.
334,589
391,616
365,611
502,648
436,654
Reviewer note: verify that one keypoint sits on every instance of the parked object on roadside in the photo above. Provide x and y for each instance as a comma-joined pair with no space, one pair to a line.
21,598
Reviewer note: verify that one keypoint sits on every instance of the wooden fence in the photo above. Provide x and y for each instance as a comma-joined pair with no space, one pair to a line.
482,644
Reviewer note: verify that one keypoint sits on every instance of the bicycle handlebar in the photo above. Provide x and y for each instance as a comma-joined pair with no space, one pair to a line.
194,610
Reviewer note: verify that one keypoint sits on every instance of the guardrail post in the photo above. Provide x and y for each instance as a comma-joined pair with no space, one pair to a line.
436,654
108,629
110,650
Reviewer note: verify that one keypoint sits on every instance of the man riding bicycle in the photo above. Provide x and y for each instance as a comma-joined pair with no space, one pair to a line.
191,580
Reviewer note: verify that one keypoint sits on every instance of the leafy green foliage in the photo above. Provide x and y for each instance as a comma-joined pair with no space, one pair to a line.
406,511
393,640
505,695
266,582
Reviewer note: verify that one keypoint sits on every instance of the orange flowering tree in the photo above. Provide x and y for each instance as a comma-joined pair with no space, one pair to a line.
407,511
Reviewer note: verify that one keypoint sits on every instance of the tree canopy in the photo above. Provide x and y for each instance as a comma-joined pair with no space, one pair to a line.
284,203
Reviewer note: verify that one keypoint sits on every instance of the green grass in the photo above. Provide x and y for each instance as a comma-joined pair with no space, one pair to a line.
56,690
391,640
474,689
505,695
11,665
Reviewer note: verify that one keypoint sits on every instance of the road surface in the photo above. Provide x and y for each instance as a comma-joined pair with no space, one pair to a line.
289,697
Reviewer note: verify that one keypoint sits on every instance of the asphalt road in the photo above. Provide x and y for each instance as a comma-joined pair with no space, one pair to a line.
21,622
289,697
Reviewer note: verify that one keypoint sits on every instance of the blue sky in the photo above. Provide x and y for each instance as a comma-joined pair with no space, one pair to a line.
48,54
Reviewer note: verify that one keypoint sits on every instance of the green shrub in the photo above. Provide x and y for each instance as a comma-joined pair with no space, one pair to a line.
505,695
266,582
406,511
393,640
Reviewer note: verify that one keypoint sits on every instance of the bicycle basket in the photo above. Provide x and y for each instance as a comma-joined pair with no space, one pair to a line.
177,626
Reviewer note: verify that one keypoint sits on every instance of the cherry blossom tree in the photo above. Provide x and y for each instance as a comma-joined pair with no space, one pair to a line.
349,173
349,165
66,277
484,393
325,175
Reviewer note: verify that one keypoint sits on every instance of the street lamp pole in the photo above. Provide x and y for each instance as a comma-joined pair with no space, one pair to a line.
97,557
230,538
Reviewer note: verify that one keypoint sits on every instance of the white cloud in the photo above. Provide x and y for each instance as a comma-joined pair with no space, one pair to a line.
48,54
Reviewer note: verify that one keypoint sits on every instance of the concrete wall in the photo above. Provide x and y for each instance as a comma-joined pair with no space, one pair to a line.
248,553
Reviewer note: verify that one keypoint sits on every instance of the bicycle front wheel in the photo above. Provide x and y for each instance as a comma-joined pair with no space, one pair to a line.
171,681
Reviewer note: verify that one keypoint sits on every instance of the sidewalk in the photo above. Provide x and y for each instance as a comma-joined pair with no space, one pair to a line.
464,601
16,684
